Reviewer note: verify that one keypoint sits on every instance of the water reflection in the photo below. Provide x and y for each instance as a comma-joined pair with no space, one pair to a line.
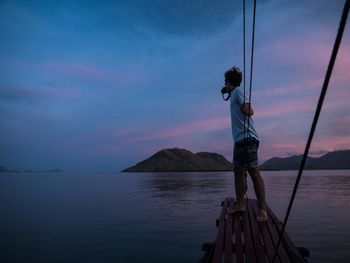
180,186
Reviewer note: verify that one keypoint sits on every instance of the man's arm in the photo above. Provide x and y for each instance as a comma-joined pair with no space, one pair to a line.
247,109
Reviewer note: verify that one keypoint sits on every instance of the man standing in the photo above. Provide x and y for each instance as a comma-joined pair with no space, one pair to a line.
246,143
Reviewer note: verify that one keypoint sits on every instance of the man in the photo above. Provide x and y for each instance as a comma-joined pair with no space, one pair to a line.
246,143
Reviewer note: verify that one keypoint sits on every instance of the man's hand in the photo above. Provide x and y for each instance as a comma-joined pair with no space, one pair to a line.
247,109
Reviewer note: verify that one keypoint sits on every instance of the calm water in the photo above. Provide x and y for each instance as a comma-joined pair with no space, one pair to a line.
157,217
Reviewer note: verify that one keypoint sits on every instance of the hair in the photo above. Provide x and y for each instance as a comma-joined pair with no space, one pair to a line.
233,76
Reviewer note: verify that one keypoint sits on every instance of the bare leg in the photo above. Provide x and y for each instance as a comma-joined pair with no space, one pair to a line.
239,184
259,189
240,189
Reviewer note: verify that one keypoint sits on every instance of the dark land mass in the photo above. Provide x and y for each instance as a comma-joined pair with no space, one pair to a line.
3,169
182,160
44,171
329,161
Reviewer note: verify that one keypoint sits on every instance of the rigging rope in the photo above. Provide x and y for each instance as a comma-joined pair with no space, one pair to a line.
244,156
251,63
244,65
247,118
316,116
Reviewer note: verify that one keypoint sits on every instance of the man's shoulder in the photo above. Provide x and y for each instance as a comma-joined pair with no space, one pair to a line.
236,92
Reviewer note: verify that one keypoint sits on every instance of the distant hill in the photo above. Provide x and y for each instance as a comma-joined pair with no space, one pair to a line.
331,160
3,169
181,160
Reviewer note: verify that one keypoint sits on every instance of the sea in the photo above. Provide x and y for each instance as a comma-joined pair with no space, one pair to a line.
158,217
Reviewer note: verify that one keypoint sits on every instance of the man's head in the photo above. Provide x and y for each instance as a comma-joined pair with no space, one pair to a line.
233,76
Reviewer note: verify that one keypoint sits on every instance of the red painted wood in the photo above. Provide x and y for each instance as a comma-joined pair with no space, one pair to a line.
228,236
238,238
241,237
263,228
248,241
281,253
288,245
259,249
219,244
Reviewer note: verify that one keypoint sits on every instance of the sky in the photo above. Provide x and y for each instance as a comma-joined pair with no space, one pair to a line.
97,86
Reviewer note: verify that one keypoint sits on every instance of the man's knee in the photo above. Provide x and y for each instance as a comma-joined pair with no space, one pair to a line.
254,172
238,169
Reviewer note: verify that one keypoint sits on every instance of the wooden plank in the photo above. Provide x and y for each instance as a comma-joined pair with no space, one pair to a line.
288,245
219,244
238,238
281,253
248,242
268,243
259,249
228,235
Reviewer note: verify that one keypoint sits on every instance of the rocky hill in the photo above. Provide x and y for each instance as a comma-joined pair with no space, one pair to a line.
331,160
181,160
3,169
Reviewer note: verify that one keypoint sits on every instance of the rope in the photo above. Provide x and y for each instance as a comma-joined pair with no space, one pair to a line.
246,118
251,62
317,114
245,131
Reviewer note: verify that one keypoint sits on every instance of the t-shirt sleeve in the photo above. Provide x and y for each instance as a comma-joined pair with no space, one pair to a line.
240,97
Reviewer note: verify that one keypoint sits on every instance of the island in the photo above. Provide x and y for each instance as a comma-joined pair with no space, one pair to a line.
332,160
182,160
3,169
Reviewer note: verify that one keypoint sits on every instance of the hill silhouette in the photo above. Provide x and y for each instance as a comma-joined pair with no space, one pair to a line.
182,160
332,160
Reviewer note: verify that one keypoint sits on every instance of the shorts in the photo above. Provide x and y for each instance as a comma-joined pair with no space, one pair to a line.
246,154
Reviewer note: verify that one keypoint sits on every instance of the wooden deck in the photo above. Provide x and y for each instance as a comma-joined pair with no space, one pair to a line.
240,238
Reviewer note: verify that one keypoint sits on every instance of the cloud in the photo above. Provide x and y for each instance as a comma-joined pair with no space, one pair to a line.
36,94
319,152
120,76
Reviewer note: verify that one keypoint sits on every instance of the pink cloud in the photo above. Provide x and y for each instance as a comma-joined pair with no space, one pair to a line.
312,50
281,108
115,75
315,55
38,93
92,72
298,145
290,88
204,125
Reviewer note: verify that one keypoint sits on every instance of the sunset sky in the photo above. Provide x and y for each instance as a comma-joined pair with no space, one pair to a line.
102,85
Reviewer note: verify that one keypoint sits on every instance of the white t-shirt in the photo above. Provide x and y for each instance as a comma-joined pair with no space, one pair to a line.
237,117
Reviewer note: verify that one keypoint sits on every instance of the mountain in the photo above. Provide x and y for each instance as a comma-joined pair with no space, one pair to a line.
332,160
3,169
182,160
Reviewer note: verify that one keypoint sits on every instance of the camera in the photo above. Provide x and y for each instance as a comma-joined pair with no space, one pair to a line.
224,90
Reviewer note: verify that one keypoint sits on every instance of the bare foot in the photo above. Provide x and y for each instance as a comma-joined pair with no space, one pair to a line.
262,216
236,208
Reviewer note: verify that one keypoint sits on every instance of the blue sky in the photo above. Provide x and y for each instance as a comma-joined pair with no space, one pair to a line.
101,85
